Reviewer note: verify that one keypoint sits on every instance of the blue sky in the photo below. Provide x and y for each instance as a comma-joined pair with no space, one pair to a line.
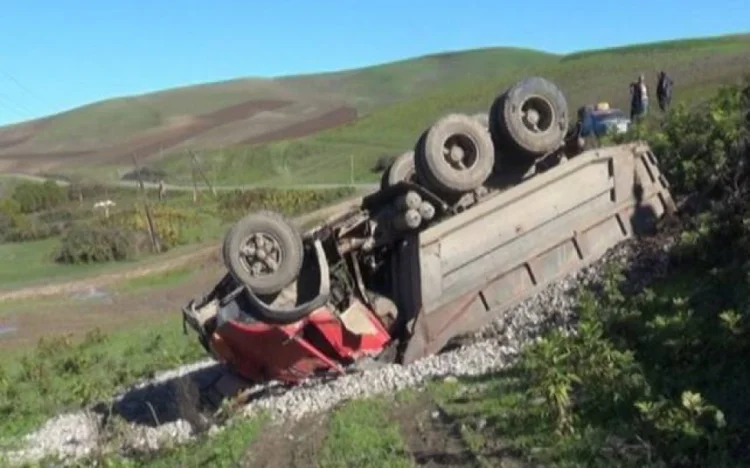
60,54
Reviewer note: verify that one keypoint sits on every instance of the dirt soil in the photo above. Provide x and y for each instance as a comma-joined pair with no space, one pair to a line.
432,439
287,445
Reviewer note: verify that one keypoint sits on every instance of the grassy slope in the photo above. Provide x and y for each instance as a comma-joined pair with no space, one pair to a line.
66,373
698,67
364,88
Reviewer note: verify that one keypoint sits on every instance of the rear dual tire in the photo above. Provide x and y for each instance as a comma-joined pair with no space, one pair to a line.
455,155
529,119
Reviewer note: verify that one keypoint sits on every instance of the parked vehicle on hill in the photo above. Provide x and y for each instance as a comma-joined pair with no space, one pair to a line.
601,120
474,219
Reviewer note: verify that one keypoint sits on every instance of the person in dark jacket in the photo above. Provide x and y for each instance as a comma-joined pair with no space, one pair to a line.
664,91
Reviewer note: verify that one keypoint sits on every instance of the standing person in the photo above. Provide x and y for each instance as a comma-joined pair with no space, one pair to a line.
664,91
639,98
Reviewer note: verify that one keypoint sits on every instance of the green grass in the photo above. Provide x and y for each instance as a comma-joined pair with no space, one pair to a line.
359,434
64,374
33,262
226,449
698,67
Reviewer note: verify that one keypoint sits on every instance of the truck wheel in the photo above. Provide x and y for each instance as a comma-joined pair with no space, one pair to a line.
402,169
455,155
264,252
482,118
530,117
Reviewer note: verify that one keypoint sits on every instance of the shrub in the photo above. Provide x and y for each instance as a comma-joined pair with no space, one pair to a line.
33,197
233,205
169,223
33,230
93,242
10,217
146,174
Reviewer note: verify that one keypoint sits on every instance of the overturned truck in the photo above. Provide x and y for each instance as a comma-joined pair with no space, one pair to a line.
483,213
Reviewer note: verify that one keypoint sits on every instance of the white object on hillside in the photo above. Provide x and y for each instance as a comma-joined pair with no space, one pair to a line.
105,204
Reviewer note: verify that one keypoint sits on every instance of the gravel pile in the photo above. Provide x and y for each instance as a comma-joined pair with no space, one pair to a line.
66,436
492,348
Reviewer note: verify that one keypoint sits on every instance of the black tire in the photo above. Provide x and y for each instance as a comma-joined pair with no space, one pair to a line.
483,118
287,250
461,132
402,169
511,130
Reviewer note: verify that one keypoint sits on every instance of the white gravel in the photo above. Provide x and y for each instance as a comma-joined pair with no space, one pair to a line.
67,436
495,347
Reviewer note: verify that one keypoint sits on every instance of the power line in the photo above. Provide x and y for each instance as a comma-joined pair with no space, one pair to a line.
17,109
15,81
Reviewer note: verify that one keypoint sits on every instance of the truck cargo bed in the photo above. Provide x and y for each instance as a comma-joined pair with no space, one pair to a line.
468,270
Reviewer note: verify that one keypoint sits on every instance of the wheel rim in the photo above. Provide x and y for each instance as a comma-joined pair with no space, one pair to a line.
261,255
461,152
537,114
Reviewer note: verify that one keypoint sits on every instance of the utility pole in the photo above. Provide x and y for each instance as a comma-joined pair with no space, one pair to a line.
149,219
203,174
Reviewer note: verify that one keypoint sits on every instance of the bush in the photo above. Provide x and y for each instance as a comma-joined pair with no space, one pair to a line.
10,217
95,243
17,227
146,174
233,205
33,197
169,223
32,230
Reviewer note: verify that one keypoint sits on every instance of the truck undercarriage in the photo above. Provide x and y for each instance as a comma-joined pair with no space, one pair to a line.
476,218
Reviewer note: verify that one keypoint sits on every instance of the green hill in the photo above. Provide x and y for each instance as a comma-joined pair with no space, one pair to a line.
313,128
698,67
117,121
